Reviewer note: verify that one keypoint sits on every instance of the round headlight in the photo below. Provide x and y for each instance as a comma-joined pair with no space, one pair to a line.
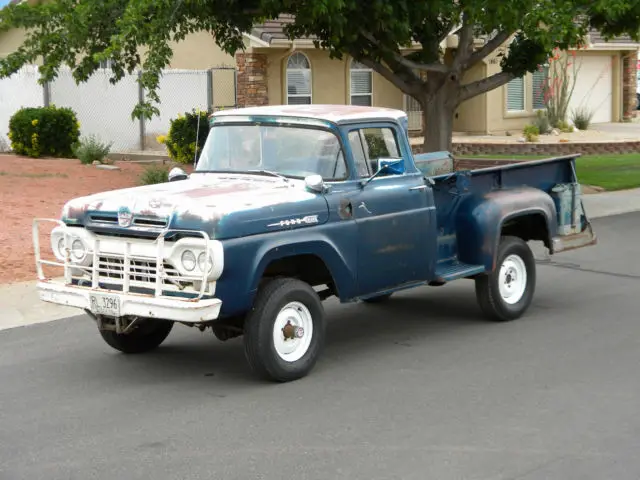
188,260
61,247
201,262
78,250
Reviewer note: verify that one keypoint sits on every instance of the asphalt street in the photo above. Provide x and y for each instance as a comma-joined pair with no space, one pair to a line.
419,388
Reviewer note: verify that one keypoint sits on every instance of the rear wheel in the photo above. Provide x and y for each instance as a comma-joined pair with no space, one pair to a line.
146,336
284,332
506,293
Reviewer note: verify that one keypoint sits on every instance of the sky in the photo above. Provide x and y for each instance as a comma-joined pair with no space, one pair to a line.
3,3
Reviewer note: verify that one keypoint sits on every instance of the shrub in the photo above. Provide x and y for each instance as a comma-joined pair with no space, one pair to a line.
531,133
49,131
154,174
564,126
90,149
542,122
181,139
581,117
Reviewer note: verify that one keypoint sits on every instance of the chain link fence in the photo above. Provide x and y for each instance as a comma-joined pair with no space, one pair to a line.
19,90
104,110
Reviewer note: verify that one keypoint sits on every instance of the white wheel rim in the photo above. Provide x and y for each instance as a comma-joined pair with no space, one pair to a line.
292,331
512,279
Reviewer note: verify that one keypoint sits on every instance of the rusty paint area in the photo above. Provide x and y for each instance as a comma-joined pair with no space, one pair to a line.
345,211
578,240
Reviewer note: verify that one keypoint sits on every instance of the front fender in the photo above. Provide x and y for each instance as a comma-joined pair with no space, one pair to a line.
247,258
480,219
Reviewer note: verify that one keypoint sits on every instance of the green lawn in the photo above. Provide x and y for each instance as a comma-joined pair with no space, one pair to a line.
611,172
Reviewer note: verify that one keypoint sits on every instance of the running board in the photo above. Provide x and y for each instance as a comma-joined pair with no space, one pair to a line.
453,271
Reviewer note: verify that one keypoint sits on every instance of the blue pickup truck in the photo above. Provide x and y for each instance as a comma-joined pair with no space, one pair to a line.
290,205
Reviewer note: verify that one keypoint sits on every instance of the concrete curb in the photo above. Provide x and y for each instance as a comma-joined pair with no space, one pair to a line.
21,305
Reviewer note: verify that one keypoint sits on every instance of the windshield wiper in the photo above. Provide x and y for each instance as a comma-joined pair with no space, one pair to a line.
269,172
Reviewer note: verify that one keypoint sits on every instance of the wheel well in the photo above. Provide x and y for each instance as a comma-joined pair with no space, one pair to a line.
309,268
528,227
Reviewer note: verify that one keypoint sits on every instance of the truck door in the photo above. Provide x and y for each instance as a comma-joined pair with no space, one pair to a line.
394,213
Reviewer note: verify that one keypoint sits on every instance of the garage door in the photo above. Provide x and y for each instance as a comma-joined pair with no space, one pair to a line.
594,88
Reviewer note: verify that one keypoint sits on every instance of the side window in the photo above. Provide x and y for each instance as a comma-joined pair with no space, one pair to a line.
381,143
359,157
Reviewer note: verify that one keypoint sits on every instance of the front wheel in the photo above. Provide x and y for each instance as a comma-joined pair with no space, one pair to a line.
506,293
284,332
143,338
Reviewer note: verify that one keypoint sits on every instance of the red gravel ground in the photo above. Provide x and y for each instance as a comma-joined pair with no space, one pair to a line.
32,188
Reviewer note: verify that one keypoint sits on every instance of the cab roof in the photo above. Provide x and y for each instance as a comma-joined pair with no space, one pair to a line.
331,113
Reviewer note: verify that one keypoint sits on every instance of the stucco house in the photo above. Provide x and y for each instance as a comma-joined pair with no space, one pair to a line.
275,70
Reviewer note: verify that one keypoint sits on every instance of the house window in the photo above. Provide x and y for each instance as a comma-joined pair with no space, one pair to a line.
361,84
539,80
298,80
515,95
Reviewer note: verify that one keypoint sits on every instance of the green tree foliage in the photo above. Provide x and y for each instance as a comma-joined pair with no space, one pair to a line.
80,33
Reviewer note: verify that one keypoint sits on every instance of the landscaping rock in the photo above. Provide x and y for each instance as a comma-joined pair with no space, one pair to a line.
107,167
555,132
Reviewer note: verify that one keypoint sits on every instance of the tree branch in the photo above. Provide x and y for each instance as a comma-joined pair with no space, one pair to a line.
465,44
389,75
427,67
473,89
488,48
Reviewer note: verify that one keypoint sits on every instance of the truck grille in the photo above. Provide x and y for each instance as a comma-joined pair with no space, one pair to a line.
142,273
103,219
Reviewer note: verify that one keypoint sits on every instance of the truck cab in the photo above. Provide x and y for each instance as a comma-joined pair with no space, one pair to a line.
290,205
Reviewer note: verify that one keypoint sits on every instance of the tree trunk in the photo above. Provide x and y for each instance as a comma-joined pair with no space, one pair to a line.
437,121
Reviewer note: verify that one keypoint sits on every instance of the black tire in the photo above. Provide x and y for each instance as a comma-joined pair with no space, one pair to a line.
259,345
378,299
148,336
488,294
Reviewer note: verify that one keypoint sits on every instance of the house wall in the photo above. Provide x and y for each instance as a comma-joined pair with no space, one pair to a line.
499,120
329,80
11,40
471,116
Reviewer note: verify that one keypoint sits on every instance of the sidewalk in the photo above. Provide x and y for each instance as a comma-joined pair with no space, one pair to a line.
612,203
20,305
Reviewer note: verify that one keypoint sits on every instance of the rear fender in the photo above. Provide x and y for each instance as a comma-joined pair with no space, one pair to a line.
481,218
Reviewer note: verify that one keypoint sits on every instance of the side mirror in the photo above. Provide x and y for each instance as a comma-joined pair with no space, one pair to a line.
394,166
315,183
177,173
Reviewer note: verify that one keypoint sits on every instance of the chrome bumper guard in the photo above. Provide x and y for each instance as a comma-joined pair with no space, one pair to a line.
83,285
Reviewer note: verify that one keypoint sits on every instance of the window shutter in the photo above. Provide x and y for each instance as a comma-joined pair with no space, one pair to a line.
515,95
360,82
299,82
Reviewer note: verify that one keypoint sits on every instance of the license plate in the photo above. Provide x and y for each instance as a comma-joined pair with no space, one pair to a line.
108,305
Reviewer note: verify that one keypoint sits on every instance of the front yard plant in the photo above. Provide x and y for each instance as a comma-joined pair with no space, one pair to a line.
531,133
90,149
44,131
154,174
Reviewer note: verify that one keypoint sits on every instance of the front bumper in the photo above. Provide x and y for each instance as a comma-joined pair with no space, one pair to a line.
131,304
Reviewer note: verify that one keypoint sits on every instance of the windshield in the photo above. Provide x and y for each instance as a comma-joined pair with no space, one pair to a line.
290,151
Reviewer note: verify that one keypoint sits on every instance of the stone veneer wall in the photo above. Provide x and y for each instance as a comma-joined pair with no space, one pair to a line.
629,82
252,80
551,149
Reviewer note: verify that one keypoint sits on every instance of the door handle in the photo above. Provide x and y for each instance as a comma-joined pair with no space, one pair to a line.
419,187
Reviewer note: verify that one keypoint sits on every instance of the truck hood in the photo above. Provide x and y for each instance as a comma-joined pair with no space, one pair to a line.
223,205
